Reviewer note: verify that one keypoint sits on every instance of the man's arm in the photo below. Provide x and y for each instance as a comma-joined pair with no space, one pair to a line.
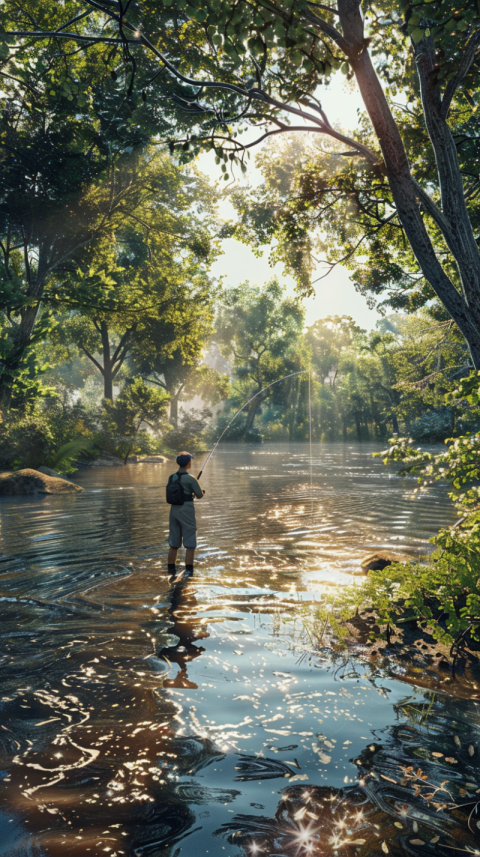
197,490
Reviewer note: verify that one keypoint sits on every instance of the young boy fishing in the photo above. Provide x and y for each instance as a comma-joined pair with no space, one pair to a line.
181,489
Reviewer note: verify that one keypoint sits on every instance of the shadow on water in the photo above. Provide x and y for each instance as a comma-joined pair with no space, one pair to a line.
150,718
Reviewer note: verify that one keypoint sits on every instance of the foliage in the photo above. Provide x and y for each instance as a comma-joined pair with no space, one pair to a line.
63,459
53,433
122,419
362,386
26,442
261,332
433,426
442,594
170,351
157,258
399,193
189,433
67,162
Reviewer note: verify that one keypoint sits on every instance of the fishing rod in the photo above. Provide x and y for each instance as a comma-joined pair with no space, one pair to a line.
292,375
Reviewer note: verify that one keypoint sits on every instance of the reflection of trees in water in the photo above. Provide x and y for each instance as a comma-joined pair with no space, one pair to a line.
417,790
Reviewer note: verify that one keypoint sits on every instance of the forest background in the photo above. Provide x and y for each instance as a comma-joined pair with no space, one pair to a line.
115,334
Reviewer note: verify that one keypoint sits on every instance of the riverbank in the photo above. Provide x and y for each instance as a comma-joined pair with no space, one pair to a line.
414,656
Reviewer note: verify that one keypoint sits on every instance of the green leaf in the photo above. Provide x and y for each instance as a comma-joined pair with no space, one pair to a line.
417,35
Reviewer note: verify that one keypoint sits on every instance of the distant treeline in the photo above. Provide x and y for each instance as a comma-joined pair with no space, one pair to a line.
144,382
362,386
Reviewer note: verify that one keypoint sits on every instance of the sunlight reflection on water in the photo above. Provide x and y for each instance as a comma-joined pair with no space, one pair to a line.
144,719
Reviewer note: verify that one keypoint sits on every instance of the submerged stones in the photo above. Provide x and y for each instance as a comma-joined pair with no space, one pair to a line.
28,481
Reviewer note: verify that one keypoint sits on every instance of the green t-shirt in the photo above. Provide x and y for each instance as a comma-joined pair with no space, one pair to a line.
190,484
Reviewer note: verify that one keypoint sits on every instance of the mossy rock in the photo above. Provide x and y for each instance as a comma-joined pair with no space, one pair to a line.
380,559
28,481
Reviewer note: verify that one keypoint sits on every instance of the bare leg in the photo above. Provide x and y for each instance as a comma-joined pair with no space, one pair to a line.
172,556
189,554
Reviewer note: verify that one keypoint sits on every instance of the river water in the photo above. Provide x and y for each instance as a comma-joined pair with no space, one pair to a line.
151,719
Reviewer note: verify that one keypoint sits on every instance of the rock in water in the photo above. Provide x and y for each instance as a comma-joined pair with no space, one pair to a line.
152,459
380,559
49,472
105,459
28,481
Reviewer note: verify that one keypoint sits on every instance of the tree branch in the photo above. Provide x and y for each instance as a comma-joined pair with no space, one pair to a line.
74,20
74,37
121,345
92,358
464,66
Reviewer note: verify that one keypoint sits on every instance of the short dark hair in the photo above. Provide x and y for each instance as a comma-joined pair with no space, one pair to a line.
183,458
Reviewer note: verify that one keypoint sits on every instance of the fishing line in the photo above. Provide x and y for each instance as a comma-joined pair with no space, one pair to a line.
292,375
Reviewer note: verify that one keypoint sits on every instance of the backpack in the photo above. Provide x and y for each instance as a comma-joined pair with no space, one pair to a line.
175,492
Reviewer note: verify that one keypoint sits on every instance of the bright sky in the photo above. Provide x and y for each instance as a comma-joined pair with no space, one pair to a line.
334,295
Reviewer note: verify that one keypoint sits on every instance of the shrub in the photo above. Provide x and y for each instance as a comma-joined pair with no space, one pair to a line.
54,433
25,441
433,426
190,433
122,419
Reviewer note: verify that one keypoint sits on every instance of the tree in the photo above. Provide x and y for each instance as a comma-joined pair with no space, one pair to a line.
181,372
328,338
68,160
261,330
136,405
155,295
259,63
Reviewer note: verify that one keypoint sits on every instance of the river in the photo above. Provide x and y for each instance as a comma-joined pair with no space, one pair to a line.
147,719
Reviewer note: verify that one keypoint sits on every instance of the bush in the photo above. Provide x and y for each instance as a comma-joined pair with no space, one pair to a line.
190,433
433,426
122,433
26,441
54,433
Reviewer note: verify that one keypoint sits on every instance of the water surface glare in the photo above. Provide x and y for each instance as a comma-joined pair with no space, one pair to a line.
140,717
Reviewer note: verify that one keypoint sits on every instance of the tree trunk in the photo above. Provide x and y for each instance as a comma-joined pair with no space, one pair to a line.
174,411
459,236
20,341
107,362
358,425
406,192
251,413
395,427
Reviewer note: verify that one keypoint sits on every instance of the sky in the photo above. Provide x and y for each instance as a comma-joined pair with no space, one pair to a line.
334,295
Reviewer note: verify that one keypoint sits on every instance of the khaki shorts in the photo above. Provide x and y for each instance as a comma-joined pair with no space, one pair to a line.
183,526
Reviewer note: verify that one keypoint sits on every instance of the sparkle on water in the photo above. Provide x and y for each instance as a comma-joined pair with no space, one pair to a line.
157,720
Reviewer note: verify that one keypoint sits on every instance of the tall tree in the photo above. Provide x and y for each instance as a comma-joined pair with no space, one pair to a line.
68,160
259,63
328,338
155,294
261,332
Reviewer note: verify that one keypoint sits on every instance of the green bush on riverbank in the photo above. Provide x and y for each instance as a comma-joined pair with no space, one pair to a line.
442,594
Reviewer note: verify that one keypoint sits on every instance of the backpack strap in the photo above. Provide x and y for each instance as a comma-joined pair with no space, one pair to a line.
188,496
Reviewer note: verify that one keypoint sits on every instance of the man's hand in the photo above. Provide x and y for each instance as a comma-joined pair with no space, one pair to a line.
203,491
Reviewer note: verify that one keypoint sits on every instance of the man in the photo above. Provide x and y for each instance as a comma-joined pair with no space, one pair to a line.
183,525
